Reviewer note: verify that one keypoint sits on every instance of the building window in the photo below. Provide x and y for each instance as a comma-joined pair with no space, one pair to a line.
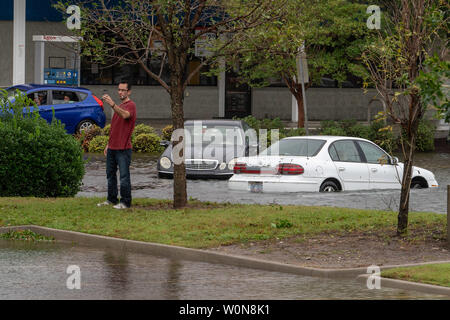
93,73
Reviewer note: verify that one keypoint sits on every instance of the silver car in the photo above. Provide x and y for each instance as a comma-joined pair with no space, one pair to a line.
210,150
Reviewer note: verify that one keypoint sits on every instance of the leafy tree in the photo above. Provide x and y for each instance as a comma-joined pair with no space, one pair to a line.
405,65
332,33
142,32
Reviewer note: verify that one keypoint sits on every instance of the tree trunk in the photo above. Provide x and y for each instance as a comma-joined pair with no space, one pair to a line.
409,147
402,223
301,110
179,172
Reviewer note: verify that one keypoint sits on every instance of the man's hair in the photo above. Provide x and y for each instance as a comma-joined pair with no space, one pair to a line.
127,83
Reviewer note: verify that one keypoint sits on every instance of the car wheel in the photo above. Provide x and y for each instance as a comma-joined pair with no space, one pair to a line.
85,125
417,184
329,186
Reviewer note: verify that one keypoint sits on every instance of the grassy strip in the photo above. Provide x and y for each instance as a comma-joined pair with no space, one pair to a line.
203,225
26,235
437,274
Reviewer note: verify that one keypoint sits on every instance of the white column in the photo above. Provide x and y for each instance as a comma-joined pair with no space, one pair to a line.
221,87
19,42
39,62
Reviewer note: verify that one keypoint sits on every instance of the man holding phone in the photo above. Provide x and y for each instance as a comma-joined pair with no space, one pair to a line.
118,149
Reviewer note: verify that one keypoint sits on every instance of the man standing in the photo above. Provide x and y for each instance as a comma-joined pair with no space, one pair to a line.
118,150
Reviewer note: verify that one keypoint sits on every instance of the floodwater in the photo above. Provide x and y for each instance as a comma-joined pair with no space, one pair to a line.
146,184
40,271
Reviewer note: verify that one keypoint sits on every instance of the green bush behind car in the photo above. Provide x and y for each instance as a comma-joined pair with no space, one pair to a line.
36,158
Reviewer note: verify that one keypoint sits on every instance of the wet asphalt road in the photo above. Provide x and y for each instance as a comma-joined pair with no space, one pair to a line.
146,184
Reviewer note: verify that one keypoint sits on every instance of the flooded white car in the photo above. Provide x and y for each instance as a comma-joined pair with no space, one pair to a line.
325,164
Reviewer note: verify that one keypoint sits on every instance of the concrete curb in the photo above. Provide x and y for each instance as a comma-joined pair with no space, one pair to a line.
408,285
175,252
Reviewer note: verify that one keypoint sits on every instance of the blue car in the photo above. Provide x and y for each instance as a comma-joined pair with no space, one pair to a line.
76,107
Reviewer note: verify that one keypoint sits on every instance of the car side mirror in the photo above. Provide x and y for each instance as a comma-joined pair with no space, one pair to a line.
394,160
164,143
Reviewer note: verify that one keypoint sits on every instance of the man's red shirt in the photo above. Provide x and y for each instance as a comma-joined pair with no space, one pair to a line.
121,129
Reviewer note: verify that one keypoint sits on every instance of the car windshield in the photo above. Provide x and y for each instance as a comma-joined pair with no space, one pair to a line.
294,147
215,134
12,92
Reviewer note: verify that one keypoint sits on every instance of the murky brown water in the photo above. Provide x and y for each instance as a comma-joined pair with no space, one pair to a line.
38,271
146,184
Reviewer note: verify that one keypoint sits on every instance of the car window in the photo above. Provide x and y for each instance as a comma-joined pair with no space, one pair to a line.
216,134
295,147
345,151
333,153
373,153
64,97
12,93
39,97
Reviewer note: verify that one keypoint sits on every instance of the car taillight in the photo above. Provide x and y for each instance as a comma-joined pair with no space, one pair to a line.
100,102
239,167
290,168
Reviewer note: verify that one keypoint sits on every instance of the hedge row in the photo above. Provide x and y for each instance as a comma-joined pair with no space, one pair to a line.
377,131
144,139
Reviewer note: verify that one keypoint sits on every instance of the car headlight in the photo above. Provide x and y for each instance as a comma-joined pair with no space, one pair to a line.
165,162
222,166
231,164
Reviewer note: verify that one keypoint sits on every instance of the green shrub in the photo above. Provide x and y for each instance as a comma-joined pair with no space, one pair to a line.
147,142
333,131
292,132
328,124
98,144
85,137
36,158
167,132
425,136
106,130
360,131
143,128
268,124
383,135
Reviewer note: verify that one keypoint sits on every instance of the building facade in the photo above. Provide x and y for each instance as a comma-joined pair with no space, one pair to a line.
206,97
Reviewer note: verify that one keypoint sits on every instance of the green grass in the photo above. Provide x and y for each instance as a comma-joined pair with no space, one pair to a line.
26,235
437,274
204,224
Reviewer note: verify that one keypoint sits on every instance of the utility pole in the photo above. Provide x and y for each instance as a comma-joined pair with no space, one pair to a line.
302,74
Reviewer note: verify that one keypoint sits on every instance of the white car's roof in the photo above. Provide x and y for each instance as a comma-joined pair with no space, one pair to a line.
327,138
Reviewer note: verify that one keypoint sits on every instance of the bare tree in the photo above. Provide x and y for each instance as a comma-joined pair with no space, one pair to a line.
142,31
405,68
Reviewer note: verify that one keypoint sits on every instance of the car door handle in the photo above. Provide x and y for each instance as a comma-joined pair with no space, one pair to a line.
374,169
341,169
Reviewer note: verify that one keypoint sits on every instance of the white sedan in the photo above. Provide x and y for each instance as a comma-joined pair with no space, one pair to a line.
325,164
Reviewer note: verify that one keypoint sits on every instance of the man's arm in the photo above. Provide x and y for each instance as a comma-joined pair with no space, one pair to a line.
124,114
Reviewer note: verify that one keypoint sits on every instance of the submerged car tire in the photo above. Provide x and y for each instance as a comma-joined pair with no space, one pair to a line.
85,125
418,183
162,175
329,186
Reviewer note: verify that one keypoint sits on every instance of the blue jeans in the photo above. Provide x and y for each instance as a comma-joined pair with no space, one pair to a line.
122,160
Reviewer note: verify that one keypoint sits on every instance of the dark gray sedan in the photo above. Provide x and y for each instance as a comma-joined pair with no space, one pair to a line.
211,147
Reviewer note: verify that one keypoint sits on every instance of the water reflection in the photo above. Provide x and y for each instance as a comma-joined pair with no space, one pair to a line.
38,271
116,272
